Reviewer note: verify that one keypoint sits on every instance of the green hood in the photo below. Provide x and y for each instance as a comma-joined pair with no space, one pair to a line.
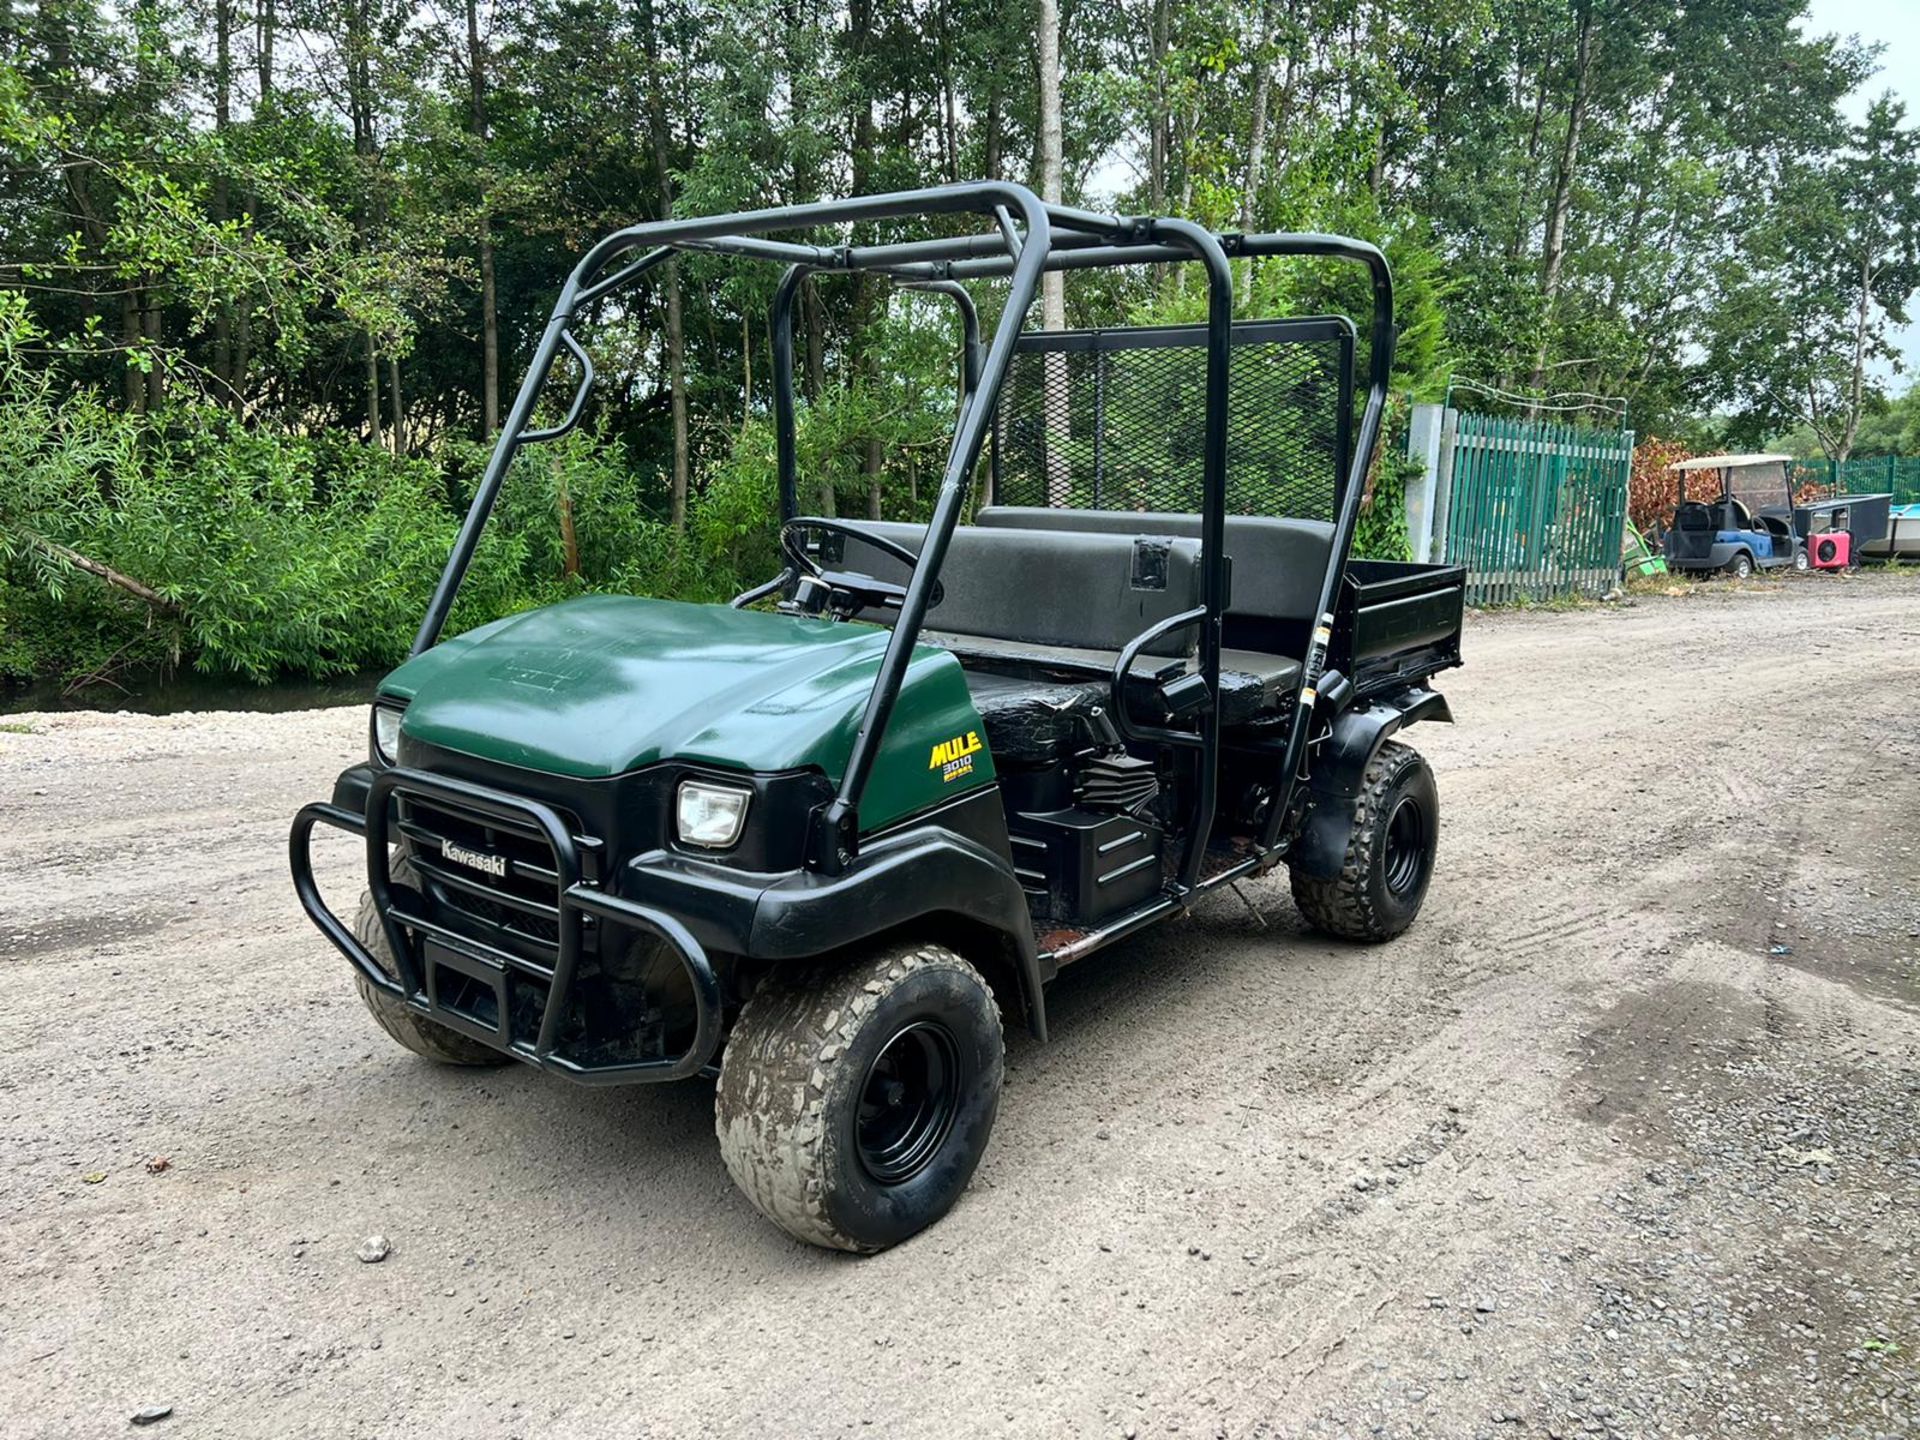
605,684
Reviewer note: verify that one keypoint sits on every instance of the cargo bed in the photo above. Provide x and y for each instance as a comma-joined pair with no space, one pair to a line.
1397,623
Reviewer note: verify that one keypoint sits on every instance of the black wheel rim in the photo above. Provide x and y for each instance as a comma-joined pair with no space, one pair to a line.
907,1102
1406,846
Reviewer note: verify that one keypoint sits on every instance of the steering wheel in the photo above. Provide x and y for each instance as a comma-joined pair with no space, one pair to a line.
845,592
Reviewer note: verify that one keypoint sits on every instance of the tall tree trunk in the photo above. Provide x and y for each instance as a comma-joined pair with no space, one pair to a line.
1851,429
489,334
398,404
866,293
133,385
670,272
266,20
1556,245
991,157
374,434
950,118
153,332
1257,132
813,324
1053,304
489,295
222,197
1053,295
360,107
814,314
243,325
1158,140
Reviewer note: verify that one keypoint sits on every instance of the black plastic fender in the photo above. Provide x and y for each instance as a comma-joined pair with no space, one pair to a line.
932,873
351,787
1340,767
921,874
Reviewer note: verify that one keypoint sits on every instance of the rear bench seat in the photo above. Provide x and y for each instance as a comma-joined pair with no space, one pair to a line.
1277,564
1038,615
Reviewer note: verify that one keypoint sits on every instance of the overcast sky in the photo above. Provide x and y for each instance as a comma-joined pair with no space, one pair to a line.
1894,25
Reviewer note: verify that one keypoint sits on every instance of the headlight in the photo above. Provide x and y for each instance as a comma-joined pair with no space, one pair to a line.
710,816
386,732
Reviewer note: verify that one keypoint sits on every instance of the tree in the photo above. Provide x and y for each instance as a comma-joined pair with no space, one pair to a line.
1053,302
1827,281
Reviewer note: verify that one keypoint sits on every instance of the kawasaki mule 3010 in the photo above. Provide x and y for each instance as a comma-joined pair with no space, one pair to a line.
817,842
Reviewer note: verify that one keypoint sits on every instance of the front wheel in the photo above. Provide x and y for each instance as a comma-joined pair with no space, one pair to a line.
406,1025
1800,560
855,1100
1390,852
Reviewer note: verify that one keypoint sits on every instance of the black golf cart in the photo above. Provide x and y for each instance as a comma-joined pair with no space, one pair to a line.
818,841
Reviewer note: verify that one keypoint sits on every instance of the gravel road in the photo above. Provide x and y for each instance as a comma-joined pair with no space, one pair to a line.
1622,1139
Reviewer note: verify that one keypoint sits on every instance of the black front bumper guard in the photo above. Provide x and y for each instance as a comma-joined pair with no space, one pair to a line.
576,902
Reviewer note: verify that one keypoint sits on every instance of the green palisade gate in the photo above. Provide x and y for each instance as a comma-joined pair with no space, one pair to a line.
1535,510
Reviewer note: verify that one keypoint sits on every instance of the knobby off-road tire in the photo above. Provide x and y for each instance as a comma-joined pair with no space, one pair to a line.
826,1065
416,1032
1390,851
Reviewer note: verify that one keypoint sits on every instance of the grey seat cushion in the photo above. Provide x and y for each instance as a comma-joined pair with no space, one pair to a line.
1083,590
1277,563
1038,616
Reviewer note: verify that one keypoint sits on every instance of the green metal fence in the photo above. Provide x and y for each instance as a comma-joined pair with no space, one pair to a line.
1865,475
1534,510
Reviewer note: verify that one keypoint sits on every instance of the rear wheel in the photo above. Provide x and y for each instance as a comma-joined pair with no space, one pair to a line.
410,1028
1742,566
855,1101
1390,852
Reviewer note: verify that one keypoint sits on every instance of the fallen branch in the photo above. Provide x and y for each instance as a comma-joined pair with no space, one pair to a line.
107,573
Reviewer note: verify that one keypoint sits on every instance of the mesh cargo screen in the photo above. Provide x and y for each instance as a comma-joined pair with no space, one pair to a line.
1114,419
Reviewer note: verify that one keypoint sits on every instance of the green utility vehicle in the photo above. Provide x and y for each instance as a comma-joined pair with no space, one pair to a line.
817,842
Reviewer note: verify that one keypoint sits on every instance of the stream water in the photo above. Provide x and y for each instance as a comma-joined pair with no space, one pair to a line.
185,690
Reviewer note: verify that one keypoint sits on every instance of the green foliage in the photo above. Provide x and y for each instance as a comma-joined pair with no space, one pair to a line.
247,290
1380,532
1845,245
267,552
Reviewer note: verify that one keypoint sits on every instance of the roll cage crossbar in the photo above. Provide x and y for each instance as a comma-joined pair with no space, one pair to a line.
1028,238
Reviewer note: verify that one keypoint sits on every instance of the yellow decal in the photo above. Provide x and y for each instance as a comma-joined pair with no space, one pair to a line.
954,758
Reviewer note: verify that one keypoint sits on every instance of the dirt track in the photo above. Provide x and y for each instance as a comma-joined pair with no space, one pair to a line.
1578,1155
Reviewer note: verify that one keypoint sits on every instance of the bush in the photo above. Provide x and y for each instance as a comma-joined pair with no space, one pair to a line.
262,553
1380,531
1654,489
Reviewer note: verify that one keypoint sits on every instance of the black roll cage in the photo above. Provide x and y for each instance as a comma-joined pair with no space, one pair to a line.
1028,239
